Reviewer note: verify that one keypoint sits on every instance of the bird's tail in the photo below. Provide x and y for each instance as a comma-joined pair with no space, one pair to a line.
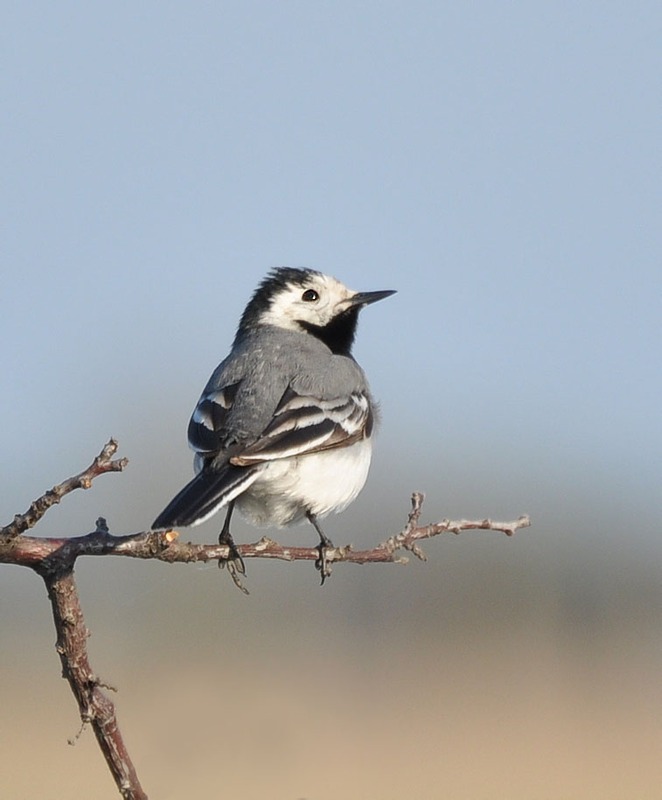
206,494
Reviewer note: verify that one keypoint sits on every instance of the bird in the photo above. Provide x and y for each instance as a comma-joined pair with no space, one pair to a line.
283,428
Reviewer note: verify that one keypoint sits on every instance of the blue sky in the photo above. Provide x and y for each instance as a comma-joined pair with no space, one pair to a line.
498,164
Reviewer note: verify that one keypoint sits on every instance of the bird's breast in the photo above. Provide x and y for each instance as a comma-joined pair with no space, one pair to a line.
318,483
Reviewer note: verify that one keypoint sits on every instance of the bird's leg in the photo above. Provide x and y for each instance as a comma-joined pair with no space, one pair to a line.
225,537
234,561
322,563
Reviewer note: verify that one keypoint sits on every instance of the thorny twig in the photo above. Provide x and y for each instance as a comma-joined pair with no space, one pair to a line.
102,463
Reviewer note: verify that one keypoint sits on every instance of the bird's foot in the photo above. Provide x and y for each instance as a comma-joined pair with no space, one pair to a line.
233,561
322,563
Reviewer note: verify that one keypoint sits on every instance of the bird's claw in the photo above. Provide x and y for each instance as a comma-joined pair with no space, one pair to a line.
235,570
233,561
322,563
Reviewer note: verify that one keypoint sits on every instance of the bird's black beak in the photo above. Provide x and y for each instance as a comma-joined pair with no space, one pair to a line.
365,298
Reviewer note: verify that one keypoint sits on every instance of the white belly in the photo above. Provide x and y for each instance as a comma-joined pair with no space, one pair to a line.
320,483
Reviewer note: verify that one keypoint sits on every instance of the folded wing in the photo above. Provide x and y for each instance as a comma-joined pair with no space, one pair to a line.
300,425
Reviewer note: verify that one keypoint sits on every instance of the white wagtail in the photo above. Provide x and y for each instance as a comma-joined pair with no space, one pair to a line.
282,429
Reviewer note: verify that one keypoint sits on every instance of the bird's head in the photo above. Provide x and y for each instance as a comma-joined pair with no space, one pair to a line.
307,301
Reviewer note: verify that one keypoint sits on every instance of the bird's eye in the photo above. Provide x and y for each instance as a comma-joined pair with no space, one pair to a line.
310,296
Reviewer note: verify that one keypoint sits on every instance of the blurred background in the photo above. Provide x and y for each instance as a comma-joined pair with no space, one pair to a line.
497,164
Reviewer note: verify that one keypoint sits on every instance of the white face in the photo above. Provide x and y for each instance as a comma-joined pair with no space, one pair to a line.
316,302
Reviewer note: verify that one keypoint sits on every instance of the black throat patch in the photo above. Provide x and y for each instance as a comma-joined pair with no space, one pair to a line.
338,335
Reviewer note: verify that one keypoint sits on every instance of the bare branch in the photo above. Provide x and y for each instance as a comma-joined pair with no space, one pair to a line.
165,545
102,463
96,708
54,558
